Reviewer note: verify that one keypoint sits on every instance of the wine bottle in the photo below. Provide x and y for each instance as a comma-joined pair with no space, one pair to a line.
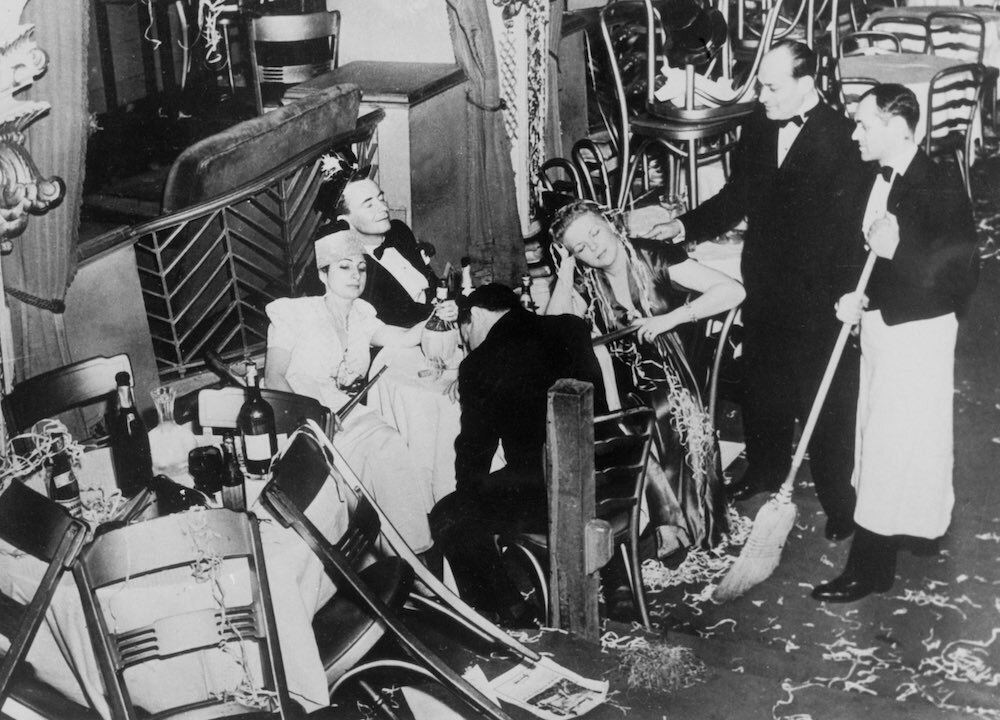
435,323
466,275
255,423
234,494
130,454
173,497
63,487
527,302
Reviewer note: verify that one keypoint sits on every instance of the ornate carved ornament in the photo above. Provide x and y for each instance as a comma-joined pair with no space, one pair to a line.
23,190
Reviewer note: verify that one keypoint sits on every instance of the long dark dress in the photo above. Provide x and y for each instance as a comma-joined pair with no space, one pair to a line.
685,487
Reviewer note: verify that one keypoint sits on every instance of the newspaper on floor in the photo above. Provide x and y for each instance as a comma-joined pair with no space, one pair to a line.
550,691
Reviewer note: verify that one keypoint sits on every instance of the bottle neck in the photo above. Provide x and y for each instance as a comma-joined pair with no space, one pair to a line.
125,397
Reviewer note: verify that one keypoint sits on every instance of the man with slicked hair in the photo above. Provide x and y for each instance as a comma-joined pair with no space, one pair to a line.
795,176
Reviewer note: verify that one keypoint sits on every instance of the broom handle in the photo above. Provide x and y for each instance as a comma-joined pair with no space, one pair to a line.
785,493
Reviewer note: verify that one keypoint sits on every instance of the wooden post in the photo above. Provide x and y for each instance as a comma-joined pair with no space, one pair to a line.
569,472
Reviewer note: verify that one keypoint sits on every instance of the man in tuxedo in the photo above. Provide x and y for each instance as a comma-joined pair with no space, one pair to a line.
400,283
503,383
919,223
795,174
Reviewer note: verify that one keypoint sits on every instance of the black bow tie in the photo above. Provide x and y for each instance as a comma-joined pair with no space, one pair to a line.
797,120
886,172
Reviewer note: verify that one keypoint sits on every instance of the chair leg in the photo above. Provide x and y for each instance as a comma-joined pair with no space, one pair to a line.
542,581
630,556
229,58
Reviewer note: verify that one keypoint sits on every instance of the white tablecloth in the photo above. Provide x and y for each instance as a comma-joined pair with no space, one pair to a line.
62,655
421,411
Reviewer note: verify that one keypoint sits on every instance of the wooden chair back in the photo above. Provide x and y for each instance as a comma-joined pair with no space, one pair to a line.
952,99
198,628
62,389
593,169
273,39
911,31
850,90
39,527
219,407
956,34
869,42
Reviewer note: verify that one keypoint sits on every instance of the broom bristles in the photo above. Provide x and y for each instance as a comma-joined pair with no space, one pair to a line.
762,551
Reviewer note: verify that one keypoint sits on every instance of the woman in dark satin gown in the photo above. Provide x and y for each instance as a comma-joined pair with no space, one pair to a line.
616,283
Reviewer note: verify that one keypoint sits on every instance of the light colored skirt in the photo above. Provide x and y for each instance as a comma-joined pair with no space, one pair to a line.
904,449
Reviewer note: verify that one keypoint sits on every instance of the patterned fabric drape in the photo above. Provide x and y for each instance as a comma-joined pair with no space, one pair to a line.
553,124
44,258
495,243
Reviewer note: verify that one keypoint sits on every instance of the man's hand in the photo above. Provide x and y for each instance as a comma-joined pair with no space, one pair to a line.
883,236
567,265
451,392
665,231
850,307
447,310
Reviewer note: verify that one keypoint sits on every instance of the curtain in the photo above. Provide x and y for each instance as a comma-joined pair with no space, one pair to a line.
553,123
494,232
43,261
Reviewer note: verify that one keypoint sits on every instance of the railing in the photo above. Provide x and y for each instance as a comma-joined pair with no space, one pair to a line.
207,271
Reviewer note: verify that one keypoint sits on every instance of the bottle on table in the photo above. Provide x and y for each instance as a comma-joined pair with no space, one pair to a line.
130,454
172,497
527,302
63,486
255,424
234,494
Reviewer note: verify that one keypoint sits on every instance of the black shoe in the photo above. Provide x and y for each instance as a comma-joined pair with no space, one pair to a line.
848,587
839,527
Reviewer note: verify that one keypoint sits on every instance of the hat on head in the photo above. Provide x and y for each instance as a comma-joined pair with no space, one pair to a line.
337,241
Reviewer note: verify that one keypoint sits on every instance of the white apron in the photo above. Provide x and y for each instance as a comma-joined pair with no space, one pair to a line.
903,452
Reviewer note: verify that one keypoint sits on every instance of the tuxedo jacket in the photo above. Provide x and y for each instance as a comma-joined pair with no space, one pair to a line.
797,252
934,268
391,300
503,389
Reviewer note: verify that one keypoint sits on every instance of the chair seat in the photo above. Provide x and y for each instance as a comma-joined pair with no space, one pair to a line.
647,125
670,111
540,541
345,632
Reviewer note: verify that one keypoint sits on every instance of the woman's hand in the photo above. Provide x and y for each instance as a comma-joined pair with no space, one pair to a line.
850,307
651,328
566,264
447,310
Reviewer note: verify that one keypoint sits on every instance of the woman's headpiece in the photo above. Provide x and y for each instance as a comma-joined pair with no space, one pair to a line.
339,242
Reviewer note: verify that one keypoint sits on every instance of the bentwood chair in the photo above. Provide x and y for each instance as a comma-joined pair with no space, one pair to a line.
201,630
38,527
287,50
911,31
953,99
368,600
869,42
962,35
850,90
590,161
622,442
65,388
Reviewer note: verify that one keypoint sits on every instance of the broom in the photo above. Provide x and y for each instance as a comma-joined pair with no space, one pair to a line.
762,551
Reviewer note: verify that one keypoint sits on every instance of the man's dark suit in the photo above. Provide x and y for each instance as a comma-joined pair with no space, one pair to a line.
797,261
390,299
503,388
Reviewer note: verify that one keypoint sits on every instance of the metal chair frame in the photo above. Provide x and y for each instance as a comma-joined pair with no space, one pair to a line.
944,134
871,37
913,29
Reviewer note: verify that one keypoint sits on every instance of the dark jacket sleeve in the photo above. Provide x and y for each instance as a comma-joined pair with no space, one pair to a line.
478,439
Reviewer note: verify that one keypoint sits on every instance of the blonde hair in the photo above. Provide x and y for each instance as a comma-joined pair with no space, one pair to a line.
598,292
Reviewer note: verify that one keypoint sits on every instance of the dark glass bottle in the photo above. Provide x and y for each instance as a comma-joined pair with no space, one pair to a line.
129,441
527,302
172,497
234,494
63,487
435,323
255,424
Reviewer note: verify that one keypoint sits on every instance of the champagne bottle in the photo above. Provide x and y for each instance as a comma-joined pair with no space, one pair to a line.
234,494
466,275
173,497
63,487
527,302
130,454
256,426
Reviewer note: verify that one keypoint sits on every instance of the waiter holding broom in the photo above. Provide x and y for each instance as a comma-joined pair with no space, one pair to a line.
918,221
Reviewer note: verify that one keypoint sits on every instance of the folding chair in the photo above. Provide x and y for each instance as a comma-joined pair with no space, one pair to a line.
201,630
41,528
300,472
